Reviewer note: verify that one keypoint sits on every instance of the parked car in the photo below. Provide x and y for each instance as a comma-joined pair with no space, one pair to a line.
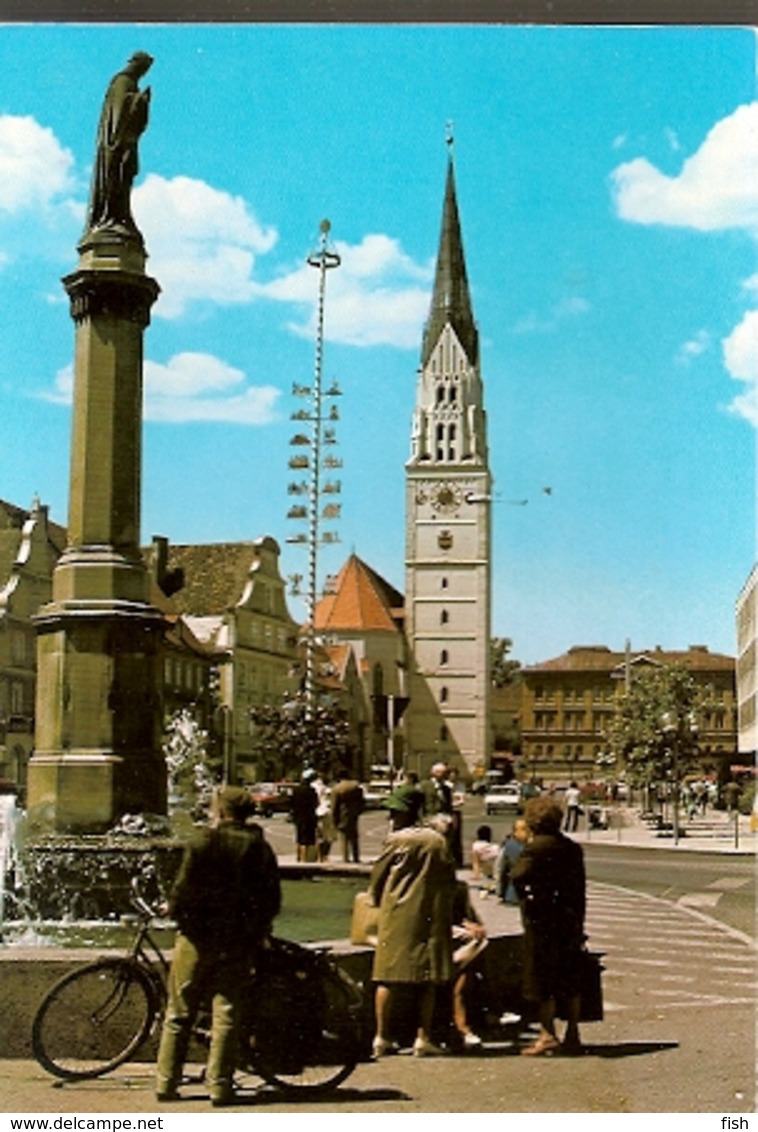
271,797
375,794
503,799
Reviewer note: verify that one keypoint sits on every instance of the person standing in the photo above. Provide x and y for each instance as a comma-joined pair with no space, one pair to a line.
304,811
549,877
439,799
347,806
325,831
573,807
458,800
438,796
224,901
405,803
413,885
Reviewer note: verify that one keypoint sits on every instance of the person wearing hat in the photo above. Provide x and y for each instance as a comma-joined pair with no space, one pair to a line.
224,901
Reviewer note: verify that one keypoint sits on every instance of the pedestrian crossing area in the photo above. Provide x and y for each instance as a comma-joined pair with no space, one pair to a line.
661,956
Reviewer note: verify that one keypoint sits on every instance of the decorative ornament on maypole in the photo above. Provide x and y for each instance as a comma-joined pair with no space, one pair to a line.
318,415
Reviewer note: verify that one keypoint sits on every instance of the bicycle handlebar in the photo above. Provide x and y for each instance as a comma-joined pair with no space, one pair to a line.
140,902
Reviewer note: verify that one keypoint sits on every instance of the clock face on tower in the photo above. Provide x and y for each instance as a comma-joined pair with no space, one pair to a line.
445,497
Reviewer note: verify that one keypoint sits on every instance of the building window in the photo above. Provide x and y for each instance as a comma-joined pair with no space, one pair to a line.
451,443
443,695
18,647
443,583
444,617
444,656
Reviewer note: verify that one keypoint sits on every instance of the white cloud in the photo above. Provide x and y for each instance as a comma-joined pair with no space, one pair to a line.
191,387
200,387
714,190
377,296
34,167
694,347
202,241
741,361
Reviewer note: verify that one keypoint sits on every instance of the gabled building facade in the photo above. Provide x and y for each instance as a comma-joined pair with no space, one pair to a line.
232,597
30,546
447,534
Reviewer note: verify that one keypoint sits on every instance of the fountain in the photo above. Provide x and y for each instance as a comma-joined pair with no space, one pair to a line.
62,881
10,879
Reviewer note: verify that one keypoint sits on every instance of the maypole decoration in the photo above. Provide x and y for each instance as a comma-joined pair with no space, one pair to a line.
321,435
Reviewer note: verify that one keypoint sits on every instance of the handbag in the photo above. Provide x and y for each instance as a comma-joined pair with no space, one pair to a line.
364,923
590,975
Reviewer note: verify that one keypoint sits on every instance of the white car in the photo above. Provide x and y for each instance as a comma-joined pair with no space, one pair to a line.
502,799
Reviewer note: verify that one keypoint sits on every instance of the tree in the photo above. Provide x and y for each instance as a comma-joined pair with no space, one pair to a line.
503,671
654,732
286,739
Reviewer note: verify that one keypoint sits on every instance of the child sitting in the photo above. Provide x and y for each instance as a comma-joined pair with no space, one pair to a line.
484,856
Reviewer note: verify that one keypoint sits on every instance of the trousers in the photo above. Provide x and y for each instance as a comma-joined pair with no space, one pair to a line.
199,976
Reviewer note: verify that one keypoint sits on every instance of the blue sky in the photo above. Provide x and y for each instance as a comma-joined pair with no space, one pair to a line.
606,183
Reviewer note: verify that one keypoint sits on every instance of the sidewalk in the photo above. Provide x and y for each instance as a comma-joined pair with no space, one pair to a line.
716,832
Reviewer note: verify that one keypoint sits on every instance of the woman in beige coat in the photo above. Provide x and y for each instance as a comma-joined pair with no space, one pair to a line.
413,884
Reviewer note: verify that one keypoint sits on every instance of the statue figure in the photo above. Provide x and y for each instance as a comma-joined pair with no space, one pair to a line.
123,119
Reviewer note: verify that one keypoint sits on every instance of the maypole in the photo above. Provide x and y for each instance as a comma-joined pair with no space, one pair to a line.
324,260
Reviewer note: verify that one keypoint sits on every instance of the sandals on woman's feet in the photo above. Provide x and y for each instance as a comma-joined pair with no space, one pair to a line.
543,1047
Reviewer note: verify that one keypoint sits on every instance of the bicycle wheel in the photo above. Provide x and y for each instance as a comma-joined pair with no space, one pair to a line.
94,1019
306,1024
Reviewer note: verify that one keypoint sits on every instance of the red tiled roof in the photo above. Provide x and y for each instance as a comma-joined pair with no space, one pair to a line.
599,658
362,600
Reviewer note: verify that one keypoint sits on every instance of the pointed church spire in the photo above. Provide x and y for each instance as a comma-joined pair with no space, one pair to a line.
451,301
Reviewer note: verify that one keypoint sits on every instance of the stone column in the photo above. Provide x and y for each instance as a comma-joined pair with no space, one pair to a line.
98,716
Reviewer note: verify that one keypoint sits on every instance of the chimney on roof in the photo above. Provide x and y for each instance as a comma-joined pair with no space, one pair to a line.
168,581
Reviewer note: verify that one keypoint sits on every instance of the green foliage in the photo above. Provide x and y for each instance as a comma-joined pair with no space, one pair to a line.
287,739
654,732
747,799
502,670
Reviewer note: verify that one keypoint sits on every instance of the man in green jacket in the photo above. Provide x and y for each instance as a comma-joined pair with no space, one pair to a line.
224,900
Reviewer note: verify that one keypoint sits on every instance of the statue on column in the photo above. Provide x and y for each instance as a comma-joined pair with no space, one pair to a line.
123,119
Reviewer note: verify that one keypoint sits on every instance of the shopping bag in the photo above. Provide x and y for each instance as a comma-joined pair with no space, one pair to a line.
364,924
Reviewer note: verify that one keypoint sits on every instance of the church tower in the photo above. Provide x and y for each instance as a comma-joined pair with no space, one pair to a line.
448,535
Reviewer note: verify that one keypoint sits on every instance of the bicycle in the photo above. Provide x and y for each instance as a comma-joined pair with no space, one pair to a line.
302,1029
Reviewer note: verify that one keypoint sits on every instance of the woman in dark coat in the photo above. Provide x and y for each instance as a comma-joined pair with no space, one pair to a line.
550,881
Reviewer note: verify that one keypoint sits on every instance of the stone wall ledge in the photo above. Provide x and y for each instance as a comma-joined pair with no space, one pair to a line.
26,973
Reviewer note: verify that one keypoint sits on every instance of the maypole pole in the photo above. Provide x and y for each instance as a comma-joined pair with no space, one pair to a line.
323,260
